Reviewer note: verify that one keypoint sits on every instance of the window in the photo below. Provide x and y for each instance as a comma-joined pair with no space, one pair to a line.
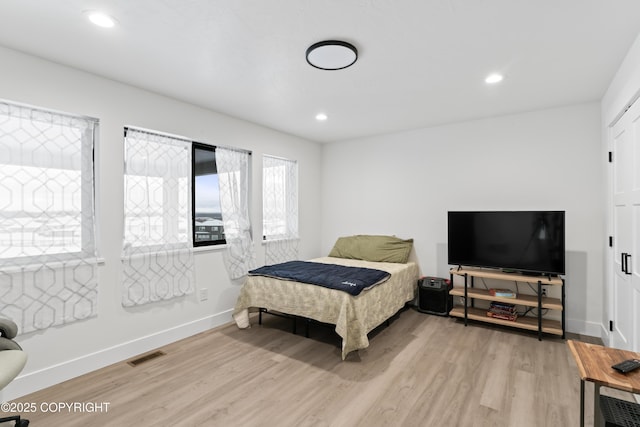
157,249
279,198
47,240
157,189
280,209
46,183
208,228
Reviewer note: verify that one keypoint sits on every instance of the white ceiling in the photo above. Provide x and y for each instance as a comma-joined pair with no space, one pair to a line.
421,62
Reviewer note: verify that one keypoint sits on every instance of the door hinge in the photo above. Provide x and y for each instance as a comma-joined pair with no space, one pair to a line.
610,241
611,325
610,156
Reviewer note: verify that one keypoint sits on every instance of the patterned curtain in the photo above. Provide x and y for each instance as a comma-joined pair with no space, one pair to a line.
48,264
280,209
233,176
157,254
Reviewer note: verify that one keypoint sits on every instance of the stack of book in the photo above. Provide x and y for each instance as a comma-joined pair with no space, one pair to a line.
500,310
504,293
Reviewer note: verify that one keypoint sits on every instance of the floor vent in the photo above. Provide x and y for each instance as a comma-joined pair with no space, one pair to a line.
140,360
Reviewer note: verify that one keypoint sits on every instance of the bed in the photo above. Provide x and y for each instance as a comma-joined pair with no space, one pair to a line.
353,316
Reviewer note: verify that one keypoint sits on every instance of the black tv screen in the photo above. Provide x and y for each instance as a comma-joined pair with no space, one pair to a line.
522,241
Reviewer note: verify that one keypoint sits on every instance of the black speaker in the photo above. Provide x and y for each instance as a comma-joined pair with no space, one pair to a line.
433,296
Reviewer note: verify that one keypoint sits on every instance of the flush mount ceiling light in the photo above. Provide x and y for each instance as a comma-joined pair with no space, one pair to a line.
332,55
321,117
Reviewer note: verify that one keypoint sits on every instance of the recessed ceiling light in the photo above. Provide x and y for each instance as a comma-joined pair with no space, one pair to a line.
321,117
494,78
101,19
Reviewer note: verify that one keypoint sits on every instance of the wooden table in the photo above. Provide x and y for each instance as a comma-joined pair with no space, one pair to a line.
594,364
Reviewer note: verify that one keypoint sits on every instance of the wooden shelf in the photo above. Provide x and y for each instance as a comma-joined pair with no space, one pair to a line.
527,300
530,323
537,323
499,275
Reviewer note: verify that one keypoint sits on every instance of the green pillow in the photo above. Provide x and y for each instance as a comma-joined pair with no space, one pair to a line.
373,248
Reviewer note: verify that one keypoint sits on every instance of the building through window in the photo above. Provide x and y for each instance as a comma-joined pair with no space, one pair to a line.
208,228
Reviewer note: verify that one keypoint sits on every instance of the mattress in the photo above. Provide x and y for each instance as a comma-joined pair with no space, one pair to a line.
353,316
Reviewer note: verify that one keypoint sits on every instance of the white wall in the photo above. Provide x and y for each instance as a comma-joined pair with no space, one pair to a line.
404,184
116,333
624,88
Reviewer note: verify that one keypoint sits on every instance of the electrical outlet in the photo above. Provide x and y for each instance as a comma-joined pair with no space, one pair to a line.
544,292
204,294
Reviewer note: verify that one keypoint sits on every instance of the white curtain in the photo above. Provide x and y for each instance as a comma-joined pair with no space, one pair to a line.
157,254
48,273
280,209
233,178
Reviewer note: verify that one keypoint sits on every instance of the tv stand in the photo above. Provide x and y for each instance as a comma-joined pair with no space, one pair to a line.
524,273
470,293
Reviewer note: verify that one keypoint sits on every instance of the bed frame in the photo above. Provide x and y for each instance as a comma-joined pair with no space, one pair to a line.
307,321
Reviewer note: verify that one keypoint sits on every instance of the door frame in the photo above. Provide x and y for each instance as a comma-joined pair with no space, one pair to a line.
610,268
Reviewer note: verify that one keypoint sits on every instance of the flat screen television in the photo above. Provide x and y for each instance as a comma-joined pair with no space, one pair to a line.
521,241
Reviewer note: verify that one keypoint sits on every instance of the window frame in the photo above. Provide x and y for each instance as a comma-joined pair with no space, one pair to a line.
204,243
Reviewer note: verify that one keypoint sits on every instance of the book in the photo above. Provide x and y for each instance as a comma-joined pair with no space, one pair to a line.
503,311
503,293
511,317
495,305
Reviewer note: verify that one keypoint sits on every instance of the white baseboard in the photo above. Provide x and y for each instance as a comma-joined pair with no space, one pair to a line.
592,329
38,380
605,335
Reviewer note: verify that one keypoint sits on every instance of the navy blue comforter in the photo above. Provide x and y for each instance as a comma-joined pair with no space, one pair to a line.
352,280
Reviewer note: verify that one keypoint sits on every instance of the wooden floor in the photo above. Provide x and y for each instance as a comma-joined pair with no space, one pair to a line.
422,370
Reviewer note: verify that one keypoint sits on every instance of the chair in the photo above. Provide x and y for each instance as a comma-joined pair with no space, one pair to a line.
12,361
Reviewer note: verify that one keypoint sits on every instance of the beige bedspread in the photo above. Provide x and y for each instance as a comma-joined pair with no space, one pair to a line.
354,316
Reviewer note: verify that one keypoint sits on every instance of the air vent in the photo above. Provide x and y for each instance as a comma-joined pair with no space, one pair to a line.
140,360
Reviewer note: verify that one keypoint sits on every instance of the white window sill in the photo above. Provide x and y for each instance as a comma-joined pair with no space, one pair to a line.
279,239
211,248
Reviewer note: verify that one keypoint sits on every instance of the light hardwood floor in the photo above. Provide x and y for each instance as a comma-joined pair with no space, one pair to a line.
422,370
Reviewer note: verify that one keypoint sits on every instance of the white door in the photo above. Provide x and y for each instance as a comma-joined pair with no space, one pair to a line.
625,292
